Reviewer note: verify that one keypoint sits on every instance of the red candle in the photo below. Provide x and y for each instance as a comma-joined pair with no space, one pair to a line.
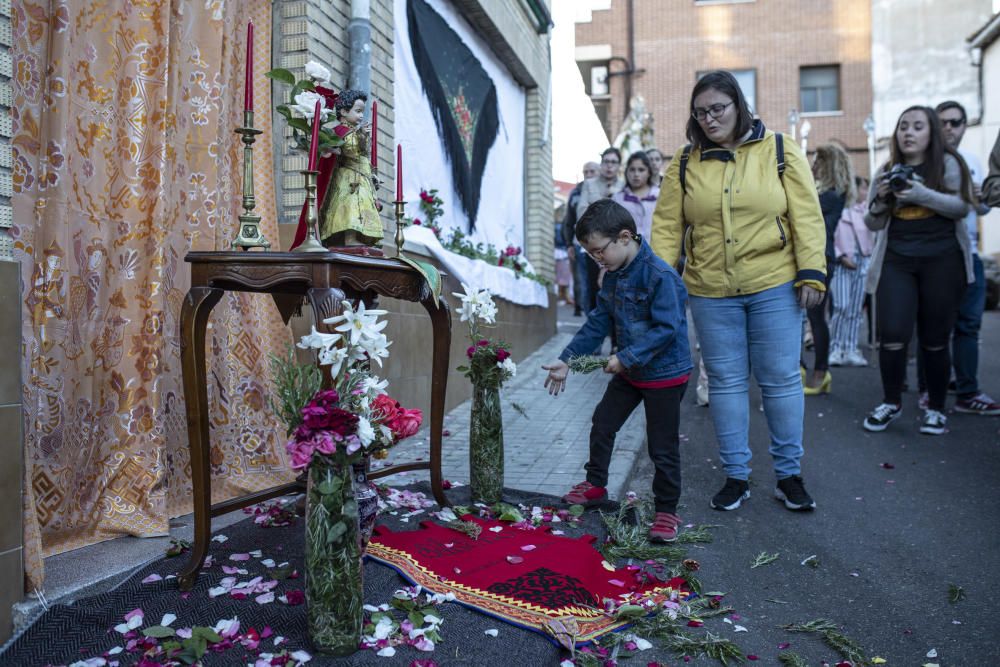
374,135
314,143
248,85
399,173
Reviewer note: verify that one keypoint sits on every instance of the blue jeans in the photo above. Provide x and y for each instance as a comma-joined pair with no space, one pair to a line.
759,332
965,340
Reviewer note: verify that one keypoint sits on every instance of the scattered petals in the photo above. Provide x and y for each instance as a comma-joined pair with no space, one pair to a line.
387,652
151,578
607,566
168,619
219,538
739,628
528,547
932,653
887,466
751,656
617,582
695,624
265,598
514,560
496,529
492,632
239,557
878,661
784,645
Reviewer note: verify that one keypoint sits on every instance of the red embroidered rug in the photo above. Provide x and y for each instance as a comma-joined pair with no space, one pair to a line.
530,578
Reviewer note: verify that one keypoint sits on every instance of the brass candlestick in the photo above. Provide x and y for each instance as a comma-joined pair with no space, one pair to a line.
311,244
249,235
400,205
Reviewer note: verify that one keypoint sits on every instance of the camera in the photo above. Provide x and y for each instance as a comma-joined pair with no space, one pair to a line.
899,176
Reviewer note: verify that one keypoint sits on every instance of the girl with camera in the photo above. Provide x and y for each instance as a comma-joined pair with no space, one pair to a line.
922,261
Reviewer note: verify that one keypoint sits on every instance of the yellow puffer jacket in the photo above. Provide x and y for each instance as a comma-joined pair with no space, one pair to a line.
749,229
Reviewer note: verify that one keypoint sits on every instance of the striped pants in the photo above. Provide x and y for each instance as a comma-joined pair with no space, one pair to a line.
848,292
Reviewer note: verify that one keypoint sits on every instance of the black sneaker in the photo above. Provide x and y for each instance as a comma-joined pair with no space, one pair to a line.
933,423
793,494
732,494
883,415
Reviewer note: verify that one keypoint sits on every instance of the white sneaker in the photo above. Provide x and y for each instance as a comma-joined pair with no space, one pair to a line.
836,358
933,423
855,358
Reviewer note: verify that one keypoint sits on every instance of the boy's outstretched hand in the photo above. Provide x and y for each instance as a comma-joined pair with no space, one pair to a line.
556,380
614,365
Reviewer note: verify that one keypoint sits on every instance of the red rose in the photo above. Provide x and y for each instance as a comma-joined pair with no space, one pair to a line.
483,343
406,423
329,96
295,597
502,355
416,221
471,351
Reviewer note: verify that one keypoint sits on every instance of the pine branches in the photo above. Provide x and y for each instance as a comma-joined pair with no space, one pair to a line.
834,638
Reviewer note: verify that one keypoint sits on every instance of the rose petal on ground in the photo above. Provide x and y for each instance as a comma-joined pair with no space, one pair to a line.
301,656
932,653
116,650
695,624
492,632
219,538
151,578
643,644
739,628
268,562
607,566
387,652
617,582
528,547
514,560
256,553
727,620
496,529
239,557
168,619
783,645
265,598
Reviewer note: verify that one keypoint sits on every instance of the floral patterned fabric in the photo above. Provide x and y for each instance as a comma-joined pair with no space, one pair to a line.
124,160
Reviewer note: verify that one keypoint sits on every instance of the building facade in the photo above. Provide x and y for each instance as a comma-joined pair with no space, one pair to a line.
812,56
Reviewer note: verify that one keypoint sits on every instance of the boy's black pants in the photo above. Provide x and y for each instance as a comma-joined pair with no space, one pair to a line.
662,438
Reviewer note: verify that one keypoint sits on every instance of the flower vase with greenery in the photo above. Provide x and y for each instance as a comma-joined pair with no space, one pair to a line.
339,428
489,366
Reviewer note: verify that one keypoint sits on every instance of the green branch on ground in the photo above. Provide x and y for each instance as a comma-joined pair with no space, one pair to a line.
764,558
629,538
955,593
789,659
834,638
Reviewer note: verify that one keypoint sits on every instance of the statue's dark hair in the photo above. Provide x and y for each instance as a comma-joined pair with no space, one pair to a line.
346,100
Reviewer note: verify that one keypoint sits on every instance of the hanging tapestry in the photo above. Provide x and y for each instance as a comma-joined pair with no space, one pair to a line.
462,96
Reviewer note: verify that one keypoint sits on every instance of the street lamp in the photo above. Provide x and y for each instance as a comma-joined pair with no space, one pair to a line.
793,121
806,129
869,127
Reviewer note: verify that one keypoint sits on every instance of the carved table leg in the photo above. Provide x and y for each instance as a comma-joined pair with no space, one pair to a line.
325,302
441,322
194,320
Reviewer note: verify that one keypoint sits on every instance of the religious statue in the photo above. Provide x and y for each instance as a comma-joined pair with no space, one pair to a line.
349,213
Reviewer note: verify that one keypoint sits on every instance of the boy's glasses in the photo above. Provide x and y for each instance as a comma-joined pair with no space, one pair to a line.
954,122
715,111
597,254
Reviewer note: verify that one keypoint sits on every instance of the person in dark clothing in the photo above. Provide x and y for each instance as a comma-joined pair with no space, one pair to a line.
579,260
922,260
835,182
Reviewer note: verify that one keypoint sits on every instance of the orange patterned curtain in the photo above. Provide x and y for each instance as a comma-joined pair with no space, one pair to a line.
125,159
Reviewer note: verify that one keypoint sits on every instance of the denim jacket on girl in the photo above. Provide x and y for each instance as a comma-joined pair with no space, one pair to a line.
645,303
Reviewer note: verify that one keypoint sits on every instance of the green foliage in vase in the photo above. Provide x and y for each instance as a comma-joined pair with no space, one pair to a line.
295,384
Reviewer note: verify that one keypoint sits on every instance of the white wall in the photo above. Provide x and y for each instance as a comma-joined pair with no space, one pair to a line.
980,139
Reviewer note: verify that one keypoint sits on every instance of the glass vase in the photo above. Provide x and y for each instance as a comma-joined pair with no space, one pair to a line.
486,445
334,586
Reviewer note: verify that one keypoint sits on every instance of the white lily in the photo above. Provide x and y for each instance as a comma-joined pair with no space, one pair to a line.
361,323
376,348
488,310
334,357
317,340
317,72
305,105
374,385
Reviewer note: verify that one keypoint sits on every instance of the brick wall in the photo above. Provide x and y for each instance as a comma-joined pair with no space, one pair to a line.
675,40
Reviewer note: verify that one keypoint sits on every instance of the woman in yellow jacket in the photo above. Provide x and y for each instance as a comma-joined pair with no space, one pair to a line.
744,206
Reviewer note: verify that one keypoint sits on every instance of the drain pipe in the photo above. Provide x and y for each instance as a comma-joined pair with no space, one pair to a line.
359,32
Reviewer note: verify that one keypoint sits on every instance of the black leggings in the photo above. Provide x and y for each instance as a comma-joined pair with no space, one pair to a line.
820,330
925,290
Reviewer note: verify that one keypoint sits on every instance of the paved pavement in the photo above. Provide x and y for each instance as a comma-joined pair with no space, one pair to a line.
545,446
900,517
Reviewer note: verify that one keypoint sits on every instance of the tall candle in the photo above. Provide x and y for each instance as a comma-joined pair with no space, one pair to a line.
248,85
399,173
374,135
314,143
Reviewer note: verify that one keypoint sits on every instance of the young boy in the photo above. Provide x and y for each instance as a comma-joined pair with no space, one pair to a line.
643,300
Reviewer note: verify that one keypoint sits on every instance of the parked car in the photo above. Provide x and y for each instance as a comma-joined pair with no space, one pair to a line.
992,270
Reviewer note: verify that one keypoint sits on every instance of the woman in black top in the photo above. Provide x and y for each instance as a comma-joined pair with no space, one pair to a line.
922,261
835,182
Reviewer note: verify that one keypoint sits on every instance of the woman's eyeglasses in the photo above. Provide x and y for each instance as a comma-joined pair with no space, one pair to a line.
715,111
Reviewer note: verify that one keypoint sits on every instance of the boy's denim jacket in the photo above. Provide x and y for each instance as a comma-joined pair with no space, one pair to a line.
645,302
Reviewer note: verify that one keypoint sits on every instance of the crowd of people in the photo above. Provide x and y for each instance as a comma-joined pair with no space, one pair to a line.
756,244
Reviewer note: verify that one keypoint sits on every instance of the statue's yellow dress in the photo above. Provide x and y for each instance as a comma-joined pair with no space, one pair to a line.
349,204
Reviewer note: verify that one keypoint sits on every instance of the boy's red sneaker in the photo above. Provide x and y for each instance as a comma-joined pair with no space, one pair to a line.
586,494
664,528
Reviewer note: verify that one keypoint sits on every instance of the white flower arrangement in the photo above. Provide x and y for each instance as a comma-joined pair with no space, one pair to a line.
318,73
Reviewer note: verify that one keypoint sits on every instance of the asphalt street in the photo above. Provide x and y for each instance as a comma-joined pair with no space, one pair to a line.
901,518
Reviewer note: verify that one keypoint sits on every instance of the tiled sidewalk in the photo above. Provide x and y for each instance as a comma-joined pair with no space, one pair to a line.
545,448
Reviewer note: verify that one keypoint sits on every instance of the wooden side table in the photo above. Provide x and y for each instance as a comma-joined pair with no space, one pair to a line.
325,280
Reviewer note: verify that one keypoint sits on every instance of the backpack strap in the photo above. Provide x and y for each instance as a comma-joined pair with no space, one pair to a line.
779,151
685,155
